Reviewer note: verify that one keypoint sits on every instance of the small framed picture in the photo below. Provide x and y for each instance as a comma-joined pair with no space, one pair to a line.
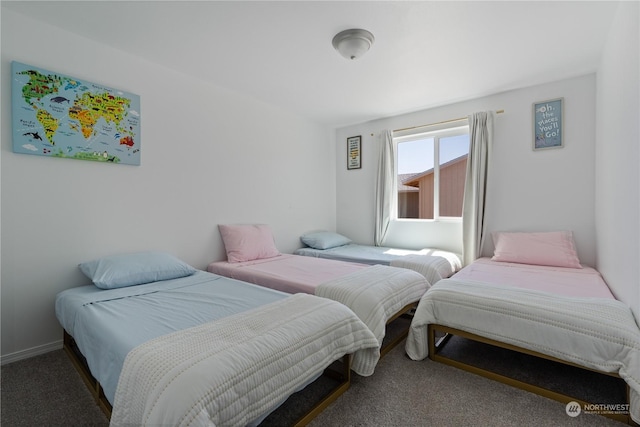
548,125
354,152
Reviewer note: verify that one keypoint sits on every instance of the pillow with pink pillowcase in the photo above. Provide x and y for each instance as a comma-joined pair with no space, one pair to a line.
552,248
248,242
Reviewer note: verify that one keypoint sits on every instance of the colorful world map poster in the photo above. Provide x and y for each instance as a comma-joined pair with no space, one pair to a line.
60,116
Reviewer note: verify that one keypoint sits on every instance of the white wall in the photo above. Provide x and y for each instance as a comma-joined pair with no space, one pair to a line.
618,158
209,156
529,191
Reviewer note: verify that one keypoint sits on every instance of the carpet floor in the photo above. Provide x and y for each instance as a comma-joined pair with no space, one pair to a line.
47,391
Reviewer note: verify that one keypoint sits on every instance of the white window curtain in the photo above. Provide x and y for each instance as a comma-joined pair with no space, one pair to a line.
386,186
473,205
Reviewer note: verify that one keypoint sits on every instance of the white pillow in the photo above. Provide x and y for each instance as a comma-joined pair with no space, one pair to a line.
324,239
555,248
119,271
248,242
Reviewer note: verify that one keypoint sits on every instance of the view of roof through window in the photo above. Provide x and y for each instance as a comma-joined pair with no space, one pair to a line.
427,192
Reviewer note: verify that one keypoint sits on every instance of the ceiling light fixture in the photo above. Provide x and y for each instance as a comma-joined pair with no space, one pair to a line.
354,43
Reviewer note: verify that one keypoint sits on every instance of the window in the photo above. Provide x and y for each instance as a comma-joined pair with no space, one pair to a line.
431,173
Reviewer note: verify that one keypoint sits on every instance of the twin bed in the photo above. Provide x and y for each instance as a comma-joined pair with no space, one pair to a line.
377,294
534,297
433,264
159,342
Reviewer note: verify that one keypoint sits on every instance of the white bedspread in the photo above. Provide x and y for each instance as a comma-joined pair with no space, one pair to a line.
596,333
376,293
437,266
230,371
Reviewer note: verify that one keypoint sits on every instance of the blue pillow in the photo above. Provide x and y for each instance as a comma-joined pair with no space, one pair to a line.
119,271
324,239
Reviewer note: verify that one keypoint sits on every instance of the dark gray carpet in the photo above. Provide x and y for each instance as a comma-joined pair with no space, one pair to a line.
47,391
403,392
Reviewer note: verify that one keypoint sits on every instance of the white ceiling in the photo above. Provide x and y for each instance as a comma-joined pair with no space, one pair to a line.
426,53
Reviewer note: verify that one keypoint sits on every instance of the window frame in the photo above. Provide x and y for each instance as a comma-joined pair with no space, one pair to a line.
436,132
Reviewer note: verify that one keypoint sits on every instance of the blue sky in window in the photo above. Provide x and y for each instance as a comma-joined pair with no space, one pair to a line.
417,156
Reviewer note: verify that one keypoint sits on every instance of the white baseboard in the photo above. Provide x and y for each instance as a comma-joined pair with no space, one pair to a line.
30,352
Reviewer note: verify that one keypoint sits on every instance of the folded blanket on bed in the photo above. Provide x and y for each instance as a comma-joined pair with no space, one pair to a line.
231,371
433,268
596,333
376,293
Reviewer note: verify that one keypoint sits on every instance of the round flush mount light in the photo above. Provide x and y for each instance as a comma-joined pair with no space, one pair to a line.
354,43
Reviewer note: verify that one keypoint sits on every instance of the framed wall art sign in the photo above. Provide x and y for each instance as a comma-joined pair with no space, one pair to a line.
548,125
354,152
61,116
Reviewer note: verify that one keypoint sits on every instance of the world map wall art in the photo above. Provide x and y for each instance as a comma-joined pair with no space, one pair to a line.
60,116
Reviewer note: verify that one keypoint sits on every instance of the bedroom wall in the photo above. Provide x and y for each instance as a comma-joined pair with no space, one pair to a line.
529,191
209,156
618,157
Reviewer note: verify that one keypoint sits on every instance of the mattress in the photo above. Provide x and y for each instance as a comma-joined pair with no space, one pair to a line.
230,371
286,273
576,282
435,264
170,341
360,253
565,313
94,316
374,292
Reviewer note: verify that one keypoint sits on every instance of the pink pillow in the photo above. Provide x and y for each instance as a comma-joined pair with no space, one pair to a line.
248,242
555,248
